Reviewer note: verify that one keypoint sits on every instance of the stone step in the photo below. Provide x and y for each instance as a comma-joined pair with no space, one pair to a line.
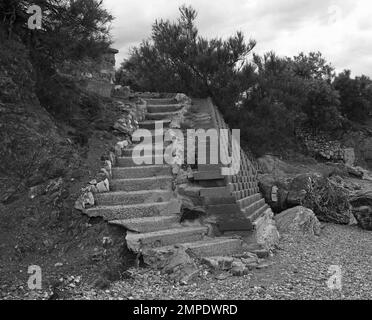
140,161
229,208
255,215
121,212
245,193
153,150
163,108
218,200
138,242
160,101
210,167
242,186
215,192
150,124
134,197
154,134
243,178
140,172
156,183
212,247
246,202
161,115
149,224
208,175
248,211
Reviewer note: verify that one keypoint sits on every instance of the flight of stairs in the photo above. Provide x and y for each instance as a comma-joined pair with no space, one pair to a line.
142,200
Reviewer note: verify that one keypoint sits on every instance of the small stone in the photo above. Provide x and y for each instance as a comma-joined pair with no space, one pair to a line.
263,265
58,264
103,186
262,253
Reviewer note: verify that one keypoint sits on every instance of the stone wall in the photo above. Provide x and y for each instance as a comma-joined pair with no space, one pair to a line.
320,146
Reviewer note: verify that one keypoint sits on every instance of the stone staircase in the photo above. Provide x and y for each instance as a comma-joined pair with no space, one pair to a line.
142,200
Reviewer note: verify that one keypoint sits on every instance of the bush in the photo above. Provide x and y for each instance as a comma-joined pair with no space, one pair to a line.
177,59
355,96
329,201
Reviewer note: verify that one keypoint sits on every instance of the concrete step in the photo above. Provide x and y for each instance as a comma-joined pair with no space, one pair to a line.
243,186
248,211
256,214
163,108
245,193
161,115
121,212
141,241
154,150
235,221
229,208
156,183
210,167
208,175
216,200
215,192
212,247
140,161
149,224
160,101
246,202
150,124
141,172
134,197
154,134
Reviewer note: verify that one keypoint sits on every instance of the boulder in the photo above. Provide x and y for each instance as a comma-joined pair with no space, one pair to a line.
266,232
173,261
282,193
275,192
298,220
362,209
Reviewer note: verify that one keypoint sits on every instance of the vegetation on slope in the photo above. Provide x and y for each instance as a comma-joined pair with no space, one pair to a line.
267,96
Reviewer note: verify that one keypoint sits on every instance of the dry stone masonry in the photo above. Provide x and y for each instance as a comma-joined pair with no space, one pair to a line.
149,201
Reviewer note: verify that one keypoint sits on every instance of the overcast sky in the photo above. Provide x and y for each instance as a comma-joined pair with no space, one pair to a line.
340,29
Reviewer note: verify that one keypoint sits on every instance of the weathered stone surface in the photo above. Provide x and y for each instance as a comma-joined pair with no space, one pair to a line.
137,242
173,261
290,192
266,232
103,186
239,269
362,209
86,200
298,219
149,224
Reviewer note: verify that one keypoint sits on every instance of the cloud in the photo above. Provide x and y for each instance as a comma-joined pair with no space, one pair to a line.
341,30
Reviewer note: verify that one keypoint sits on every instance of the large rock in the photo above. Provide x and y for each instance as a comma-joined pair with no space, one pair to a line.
266,232
173,261
362,209
282,193
298,219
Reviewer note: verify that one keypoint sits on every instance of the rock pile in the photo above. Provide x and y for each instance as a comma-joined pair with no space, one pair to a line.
237,265
320,146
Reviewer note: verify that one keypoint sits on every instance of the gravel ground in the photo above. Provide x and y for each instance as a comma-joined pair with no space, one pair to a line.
299,270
